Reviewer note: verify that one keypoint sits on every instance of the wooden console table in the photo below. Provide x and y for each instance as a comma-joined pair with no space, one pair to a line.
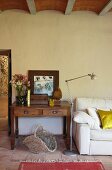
63,110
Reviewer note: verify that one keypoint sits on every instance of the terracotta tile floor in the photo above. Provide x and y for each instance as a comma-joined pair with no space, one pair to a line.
10,159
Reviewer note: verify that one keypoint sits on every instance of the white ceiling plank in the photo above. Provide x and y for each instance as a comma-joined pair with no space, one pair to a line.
106,8
69,7
31,6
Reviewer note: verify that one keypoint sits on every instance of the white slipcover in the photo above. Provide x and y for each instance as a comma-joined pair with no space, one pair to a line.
91,141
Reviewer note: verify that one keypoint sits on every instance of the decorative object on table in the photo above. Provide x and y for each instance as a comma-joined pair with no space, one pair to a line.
41,141
28,97
71,152
51,102
57,102
57,94
40,99
43,81
21,84
21,100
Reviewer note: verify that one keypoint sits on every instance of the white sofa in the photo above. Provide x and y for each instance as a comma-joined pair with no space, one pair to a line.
88,140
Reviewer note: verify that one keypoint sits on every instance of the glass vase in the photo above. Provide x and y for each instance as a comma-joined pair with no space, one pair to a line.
21,100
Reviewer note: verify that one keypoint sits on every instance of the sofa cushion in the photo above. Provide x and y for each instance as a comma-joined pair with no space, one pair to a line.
101,135
83,117
92,111
106,118
84,103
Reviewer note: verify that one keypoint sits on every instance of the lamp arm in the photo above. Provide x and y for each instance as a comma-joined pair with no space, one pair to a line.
77,77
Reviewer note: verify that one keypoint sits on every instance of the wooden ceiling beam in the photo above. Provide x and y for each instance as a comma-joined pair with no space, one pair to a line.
107,7
69,7
31,6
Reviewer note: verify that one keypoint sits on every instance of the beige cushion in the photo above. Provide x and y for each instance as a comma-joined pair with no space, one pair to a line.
92,111
83,117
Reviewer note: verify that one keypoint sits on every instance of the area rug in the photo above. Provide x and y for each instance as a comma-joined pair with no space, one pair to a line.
61,166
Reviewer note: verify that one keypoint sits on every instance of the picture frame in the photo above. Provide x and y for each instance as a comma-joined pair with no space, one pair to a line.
43,82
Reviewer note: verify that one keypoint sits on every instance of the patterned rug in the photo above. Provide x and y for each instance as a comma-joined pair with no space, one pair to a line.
61,166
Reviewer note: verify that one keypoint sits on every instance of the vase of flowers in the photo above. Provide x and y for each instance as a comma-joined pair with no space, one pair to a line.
21,84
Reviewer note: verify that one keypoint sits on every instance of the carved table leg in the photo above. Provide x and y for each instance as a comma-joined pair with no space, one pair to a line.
64,126
16,132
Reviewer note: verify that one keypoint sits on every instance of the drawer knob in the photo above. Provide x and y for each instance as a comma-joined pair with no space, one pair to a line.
54,111
25,112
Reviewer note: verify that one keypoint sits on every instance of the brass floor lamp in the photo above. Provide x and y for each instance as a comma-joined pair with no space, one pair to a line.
71,152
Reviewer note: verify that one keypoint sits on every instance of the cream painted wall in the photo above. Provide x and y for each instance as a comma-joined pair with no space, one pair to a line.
75,44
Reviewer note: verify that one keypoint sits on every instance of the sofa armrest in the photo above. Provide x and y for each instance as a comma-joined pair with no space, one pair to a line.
81,135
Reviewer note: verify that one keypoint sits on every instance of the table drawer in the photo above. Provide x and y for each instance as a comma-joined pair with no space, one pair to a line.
27,112
54,112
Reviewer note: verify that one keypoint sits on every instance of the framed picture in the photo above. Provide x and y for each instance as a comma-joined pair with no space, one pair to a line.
43,81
